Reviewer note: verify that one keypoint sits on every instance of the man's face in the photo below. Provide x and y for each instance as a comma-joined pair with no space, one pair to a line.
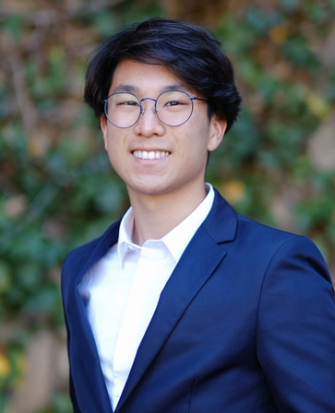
151,157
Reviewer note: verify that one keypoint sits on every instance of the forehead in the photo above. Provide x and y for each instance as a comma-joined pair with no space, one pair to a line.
137,77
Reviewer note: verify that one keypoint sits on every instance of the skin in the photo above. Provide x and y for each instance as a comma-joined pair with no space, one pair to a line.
165,190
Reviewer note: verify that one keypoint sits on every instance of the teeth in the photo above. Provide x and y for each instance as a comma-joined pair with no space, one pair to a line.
151,154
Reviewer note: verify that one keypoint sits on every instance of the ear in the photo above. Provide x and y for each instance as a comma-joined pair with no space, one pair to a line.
104,128
217,130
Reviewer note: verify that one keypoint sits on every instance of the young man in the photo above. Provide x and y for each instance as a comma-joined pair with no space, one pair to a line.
185,306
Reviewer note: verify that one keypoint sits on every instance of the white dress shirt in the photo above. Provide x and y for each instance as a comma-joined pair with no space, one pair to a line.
122,289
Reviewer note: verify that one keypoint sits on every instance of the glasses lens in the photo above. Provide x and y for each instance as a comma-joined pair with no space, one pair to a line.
123,109
174,107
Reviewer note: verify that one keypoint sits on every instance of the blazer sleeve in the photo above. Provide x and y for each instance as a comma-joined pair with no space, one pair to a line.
296,329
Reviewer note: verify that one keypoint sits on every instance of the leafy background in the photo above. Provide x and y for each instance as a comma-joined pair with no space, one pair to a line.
58,190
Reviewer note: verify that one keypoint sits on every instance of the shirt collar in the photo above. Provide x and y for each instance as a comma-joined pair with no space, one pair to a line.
125,242
177,239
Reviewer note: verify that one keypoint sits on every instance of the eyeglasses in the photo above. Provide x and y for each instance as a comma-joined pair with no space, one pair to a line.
173,108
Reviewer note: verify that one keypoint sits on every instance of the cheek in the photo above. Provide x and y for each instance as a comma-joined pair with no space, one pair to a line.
194,150
196,140
116,161
118,150
113,140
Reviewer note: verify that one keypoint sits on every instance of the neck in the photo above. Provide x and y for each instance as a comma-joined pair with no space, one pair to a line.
156,215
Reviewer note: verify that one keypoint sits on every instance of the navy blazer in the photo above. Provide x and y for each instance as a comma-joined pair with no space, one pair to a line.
246,323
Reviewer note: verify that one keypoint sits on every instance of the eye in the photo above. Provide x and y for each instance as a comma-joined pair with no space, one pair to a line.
174,99
123,100
174,103
127,103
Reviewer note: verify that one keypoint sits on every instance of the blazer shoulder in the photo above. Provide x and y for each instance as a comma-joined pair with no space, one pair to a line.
225,224
269,238
256,241
280,245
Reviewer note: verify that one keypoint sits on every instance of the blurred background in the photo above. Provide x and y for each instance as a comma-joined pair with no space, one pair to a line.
57,189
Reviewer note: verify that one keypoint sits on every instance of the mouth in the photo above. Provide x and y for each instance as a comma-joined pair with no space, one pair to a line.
151,155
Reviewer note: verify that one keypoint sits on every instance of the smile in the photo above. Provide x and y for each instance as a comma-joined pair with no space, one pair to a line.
151,154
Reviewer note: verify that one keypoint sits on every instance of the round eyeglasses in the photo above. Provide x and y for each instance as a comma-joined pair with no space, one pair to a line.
173,108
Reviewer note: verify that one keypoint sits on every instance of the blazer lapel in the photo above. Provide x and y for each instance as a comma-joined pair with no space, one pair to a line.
102,246
98,250
199,261
88,369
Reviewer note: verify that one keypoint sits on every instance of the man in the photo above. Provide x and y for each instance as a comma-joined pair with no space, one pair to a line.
185,305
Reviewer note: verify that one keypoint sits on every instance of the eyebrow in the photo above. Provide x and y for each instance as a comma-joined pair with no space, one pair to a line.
134,89
126,88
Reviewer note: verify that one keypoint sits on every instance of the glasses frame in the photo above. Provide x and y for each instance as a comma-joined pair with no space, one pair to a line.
142,111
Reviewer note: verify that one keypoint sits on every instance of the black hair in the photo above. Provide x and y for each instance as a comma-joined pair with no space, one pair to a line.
191,52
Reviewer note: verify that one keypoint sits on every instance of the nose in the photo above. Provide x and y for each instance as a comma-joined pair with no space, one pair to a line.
149,123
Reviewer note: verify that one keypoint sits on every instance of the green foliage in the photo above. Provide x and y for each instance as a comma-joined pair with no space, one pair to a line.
59,404
57,187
